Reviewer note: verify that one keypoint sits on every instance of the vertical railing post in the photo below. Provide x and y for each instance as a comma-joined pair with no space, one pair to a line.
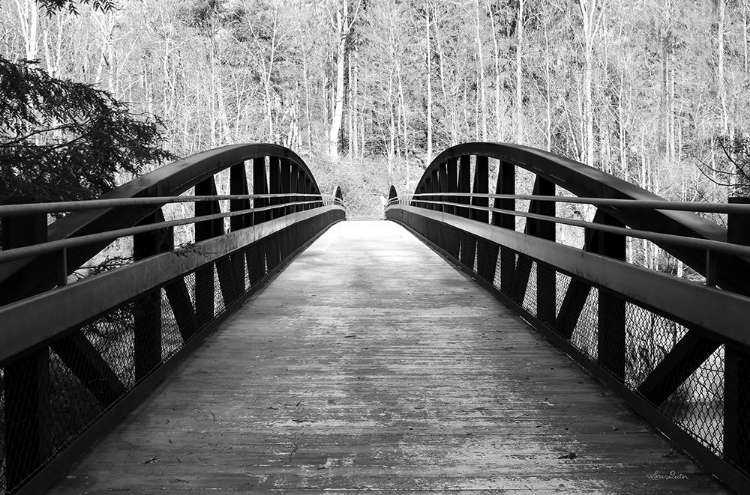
468,243
443,177
204,276
427,190
274,184
486,252
611,309
260,186
464,183
452,170
506,184
286,184
435,180
737,368
26,380
481,186
238,186
294,186
308,190
545,276
148,309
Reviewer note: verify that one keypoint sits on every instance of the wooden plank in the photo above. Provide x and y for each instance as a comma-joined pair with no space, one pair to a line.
371,364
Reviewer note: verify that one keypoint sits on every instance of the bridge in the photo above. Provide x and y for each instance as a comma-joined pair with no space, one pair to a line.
474,341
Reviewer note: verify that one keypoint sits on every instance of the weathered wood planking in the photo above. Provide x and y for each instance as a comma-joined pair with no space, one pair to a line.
372,364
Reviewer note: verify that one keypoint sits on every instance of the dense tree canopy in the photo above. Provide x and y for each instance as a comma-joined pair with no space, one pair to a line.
66,140
653,91
61,140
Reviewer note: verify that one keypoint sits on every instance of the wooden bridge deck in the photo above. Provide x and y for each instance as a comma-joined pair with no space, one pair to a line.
372,364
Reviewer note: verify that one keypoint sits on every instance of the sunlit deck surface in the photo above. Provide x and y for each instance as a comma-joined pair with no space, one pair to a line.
371,363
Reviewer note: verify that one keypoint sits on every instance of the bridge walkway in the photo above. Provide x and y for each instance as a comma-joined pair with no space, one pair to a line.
372,364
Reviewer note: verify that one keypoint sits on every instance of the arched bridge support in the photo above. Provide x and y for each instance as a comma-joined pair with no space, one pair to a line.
677,351
75,358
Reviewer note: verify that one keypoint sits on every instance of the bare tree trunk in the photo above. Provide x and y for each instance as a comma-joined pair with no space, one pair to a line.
268,71
54,57
592,16
355,109
519,62
28,15
362,137
428,158
621,126
496,60
482,94
307,101
350,113
392,130
338,110
721,83
402,111
745,8
446,97
548,84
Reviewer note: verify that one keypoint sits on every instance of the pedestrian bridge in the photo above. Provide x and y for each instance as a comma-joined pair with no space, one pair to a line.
474,341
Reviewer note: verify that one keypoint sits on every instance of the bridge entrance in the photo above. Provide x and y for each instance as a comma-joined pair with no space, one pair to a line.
372,363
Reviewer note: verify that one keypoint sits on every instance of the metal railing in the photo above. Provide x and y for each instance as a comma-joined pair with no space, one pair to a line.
75,357
676,350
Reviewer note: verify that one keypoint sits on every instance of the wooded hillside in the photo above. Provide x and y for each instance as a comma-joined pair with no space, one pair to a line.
653,91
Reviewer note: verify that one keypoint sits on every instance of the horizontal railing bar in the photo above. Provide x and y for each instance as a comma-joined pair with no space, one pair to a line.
42,317
93,204
58,245
683,299
691,242
629,203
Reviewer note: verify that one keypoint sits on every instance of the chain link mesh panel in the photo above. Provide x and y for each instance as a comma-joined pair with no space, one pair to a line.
49,398
649,339
697,404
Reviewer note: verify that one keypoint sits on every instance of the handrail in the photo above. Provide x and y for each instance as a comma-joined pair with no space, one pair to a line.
94,204
53,246
677,240
628,203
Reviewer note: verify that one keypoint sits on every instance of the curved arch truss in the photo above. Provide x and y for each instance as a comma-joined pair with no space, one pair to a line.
676,350
75,357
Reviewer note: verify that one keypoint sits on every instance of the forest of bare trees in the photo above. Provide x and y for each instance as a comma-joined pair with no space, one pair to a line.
652,91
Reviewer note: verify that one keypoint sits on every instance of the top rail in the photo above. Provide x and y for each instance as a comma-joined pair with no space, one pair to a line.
742,209
94,204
